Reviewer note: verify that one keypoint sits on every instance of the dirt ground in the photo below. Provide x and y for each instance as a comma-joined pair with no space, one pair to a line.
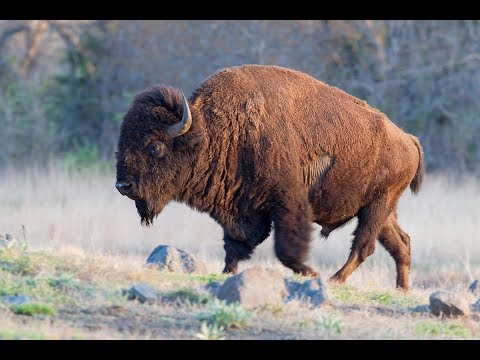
81,298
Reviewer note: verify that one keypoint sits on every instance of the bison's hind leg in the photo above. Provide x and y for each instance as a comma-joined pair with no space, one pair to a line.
370,221
397,243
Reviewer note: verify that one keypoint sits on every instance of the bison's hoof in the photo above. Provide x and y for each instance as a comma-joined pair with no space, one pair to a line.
336,279
229,270
308,271
403,288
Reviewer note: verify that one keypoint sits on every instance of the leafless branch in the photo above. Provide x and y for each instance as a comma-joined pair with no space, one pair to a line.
10,32
33,47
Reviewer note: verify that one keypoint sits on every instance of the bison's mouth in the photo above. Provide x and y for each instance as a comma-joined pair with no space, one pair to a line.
146,213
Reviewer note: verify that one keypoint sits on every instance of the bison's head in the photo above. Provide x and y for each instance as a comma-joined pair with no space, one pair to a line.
157,149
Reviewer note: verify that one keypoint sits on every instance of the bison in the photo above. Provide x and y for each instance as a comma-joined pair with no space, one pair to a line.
256,145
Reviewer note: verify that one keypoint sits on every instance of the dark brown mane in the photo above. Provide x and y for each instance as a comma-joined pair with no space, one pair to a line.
160,95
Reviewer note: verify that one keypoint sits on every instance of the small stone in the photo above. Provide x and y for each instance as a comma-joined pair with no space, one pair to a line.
422,309
16,299
7,241
476,306
449,304
176,260
253,287
474,287
143,293
312,293
128,294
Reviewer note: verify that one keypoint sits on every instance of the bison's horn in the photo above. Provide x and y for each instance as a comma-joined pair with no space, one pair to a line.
183,126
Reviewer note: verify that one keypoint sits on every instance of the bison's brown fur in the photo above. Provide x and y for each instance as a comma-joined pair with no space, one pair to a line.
269,144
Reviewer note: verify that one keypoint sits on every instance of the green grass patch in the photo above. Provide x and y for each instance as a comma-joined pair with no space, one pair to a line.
10,285
36,274
329,324
17,263
63,282
390,299
347,293
350,294
188,295
33,308
226,315
438,328
211,332
21,335
22,262
55,290
210,278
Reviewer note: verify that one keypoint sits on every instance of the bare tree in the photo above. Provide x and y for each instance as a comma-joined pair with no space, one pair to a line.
423,74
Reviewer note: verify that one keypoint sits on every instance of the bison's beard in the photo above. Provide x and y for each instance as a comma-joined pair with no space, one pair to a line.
146,213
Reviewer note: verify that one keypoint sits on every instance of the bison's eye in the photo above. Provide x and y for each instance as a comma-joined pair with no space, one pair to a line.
156,149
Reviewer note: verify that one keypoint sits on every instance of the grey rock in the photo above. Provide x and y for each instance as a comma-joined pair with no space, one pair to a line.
212,287
143,293
476,306
16,299
474,287
312,292
422,309
292,287
449,304
254,287
176,260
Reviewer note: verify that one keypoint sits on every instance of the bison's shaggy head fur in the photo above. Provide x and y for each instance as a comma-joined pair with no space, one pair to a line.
153,164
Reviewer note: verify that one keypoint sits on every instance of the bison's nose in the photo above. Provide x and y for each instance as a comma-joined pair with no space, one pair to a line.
124,187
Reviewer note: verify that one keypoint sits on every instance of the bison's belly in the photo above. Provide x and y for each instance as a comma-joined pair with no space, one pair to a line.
326,213
335,204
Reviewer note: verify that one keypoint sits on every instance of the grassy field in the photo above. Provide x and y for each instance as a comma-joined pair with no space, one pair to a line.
85,245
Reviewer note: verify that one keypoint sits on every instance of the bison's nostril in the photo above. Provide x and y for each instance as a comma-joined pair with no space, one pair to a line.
124,188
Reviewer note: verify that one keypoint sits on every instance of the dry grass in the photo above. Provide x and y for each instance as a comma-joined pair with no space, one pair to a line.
86,212
80,226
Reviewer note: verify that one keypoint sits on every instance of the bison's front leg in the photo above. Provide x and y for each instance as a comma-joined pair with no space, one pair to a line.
292,217
235,251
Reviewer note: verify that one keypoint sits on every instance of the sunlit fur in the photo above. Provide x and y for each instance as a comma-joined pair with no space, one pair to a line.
255,130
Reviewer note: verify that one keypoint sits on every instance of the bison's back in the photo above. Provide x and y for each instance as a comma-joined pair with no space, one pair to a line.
283,100
281,122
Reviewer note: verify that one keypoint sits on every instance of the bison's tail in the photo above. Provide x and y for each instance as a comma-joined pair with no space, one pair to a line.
418,178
